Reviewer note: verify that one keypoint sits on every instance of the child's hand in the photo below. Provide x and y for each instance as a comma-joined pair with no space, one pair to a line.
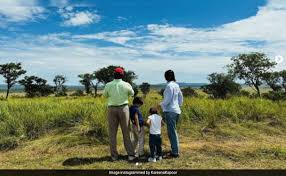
139,129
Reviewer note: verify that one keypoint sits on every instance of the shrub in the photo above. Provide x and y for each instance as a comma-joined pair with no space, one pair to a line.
221,86
275,95
189,92
78,93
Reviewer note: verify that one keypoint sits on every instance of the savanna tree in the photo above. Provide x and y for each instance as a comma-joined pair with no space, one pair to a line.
106,74
60,88
35,86
87,81
145,88
273,80
11,72
251,68
221,85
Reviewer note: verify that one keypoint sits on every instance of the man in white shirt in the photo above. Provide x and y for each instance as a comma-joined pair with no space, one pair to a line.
173,99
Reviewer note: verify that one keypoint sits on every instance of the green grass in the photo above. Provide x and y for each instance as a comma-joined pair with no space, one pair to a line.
235,133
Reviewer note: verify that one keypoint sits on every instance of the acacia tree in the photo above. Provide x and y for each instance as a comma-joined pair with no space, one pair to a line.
87,80
145,88
273,80
35,86
11,72
106,74
60,88
251,68
221,85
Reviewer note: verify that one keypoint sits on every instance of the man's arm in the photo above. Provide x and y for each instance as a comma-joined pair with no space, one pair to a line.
105,91
168,94
130,90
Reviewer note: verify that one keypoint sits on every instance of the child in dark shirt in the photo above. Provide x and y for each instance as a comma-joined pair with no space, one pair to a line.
137,130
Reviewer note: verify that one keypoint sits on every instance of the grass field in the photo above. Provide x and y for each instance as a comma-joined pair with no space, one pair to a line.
71,132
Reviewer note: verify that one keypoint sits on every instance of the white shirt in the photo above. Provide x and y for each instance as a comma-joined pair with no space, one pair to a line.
155,127
173,98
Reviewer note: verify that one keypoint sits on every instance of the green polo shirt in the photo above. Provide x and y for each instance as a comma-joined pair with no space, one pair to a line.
117,92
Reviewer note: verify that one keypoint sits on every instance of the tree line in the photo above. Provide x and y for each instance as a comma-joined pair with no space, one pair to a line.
255,69
35,86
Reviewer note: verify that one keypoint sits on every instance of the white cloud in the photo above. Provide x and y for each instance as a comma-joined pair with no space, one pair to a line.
20,11
119,37
78,18
82,18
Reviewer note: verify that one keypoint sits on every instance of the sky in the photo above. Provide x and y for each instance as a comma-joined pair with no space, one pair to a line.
192,37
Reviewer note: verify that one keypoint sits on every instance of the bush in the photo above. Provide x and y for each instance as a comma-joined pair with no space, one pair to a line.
221,86
275,95
8,143
244,93
78,93
189,92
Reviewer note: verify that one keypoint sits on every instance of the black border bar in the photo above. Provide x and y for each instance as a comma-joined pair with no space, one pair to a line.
142,172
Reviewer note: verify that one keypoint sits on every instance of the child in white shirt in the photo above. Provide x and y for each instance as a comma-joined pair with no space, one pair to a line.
155,123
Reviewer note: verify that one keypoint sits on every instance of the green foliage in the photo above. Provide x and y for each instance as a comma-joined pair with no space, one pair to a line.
275,95
78,93
189,92
35,86
11,72
135,88
87,81
272,79
251,68
283,79
31,118
221,85
145,88
60,88
106,74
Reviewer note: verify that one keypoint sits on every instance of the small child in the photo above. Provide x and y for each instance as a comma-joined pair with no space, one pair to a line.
137,130
155,141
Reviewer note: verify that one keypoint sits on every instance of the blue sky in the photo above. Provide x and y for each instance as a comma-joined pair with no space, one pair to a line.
192,37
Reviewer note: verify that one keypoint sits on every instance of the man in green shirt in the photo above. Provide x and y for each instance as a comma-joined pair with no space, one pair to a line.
117,92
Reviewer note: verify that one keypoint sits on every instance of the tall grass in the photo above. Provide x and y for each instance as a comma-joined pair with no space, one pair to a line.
30,118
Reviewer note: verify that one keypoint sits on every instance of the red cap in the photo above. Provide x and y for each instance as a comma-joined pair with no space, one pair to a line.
119,70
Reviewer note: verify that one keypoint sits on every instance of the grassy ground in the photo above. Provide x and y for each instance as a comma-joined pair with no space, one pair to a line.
251,145
71,133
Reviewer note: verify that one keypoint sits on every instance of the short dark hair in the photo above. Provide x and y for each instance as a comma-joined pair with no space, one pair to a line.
153,110
170,75
138,100
118,76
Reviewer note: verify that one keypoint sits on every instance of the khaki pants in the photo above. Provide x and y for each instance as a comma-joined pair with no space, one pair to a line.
116,116
138,139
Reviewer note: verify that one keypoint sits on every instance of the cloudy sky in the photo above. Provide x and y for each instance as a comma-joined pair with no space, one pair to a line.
192,37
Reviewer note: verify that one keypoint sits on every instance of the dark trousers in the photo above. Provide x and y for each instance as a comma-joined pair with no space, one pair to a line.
155,142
